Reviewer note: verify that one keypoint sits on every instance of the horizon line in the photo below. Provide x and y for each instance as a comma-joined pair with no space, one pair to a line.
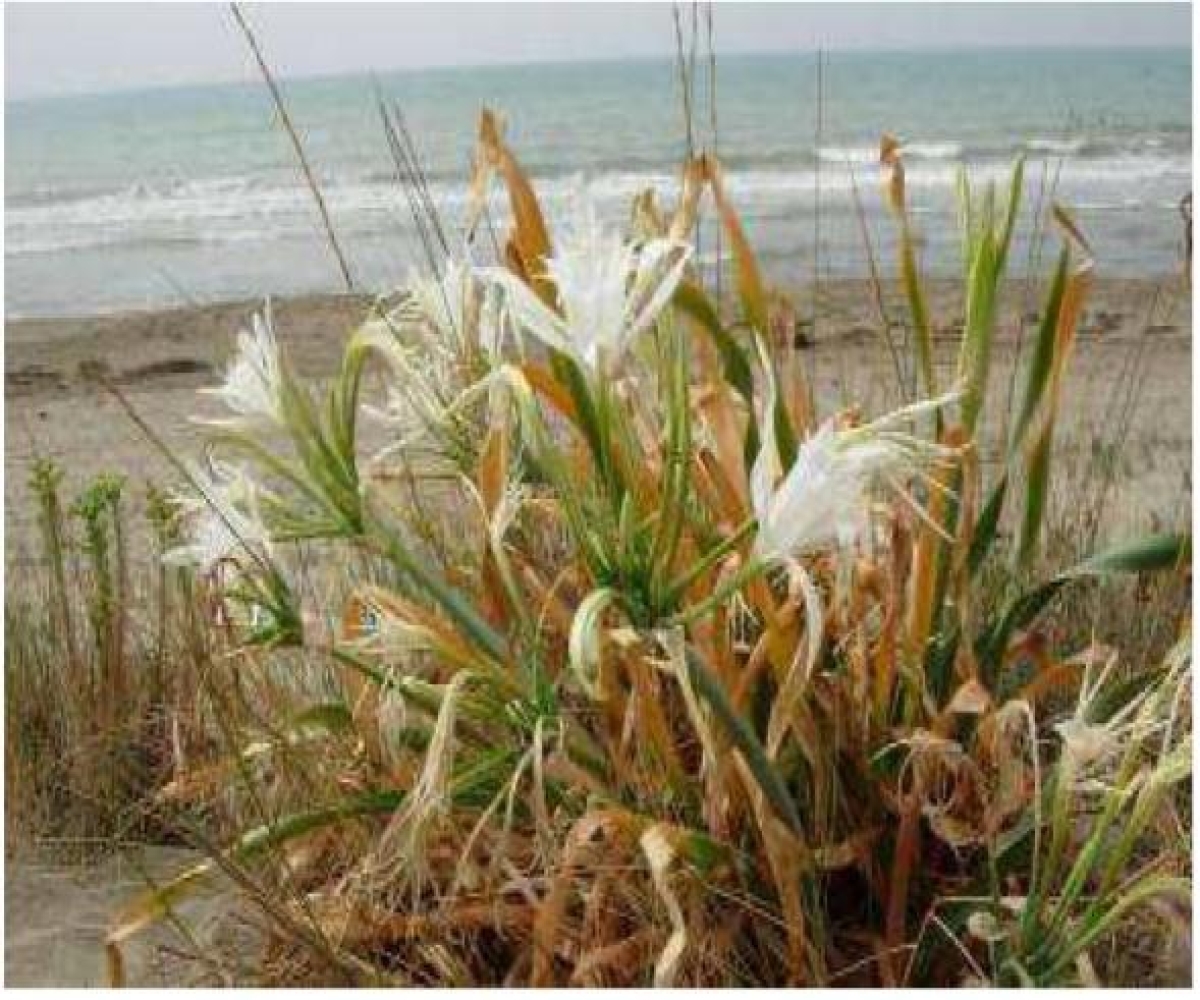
251,80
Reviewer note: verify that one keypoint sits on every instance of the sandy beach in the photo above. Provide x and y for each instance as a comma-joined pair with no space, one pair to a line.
57,915
1133,329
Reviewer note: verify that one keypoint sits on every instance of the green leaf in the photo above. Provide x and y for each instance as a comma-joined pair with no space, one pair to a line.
736,364
918,310
785,436
567,371
461,610
1038,372
1037,488
975,349
744,738
586,638
1156,552
1055,341
154,905
984,535
1016,186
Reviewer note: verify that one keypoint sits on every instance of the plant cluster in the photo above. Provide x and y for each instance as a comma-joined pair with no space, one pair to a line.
621,663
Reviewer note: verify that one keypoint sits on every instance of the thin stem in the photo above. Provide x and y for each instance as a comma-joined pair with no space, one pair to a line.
294,136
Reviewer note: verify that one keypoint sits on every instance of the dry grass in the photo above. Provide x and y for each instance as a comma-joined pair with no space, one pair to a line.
100,658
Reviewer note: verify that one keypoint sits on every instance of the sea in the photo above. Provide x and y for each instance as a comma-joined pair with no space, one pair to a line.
192,195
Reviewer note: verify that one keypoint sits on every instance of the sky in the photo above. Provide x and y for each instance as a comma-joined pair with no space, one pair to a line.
78,48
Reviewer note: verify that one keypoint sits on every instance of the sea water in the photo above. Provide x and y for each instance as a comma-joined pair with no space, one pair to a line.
193,194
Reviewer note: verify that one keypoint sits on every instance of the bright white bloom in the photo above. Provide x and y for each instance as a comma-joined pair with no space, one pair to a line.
224,527
824,500
457,305
424,341
444,301
610,291
253,384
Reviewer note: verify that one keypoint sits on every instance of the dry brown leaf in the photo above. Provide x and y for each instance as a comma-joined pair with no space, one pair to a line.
529,245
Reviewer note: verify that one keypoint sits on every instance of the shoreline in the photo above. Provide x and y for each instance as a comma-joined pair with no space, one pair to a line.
800,288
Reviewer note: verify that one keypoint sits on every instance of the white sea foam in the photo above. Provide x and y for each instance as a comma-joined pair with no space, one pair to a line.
220,210
928,150
933,150
1058,147
849,154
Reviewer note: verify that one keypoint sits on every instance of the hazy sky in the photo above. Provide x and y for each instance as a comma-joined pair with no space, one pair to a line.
57,48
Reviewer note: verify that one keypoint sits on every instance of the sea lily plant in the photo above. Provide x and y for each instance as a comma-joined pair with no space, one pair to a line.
644,671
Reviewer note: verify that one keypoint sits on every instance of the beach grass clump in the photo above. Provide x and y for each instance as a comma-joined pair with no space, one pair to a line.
622,664
100,660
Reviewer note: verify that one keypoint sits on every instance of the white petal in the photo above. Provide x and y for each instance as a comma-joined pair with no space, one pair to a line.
655,282
223,524
253,382
529,313
767,466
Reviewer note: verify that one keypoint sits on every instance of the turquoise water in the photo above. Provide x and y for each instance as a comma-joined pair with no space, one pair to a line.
191,194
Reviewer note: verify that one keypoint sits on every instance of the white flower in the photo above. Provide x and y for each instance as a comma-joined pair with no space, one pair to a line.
444,301
253,383
820,503
609,290
824,500
459,307
224,527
